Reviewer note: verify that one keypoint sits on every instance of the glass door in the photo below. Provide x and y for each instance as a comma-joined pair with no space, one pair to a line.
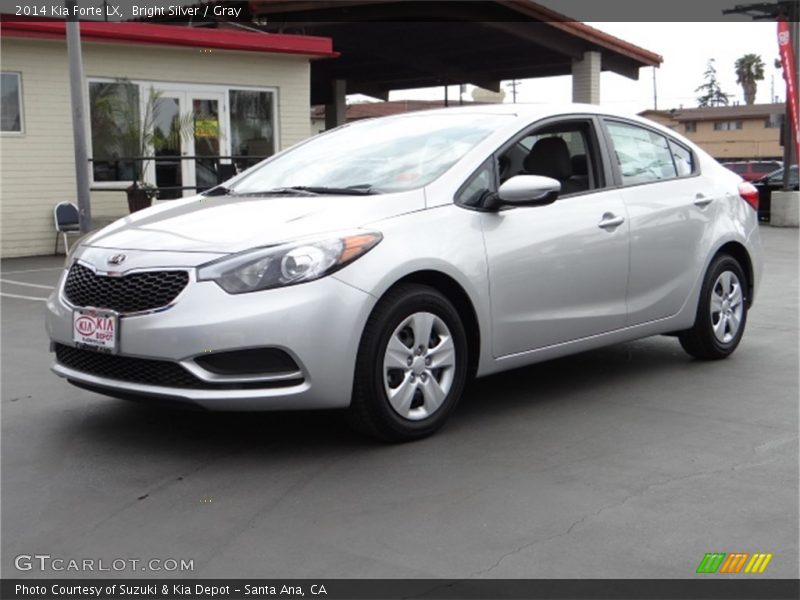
188,139
206,140
168,172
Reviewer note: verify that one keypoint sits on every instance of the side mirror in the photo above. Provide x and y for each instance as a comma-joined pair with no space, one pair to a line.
527,190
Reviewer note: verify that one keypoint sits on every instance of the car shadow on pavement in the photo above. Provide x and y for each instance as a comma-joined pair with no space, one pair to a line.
510,395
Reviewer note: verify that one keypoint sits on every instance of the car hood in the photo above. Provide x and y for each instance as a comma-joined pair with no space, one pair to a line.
226,224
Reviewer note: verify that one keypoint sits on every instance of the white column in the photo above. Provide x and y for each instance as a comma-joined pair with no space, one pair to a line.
586,78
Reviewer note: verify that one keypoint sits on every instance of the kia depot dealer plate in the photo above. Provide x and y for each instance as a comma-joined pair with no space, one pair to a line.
95,330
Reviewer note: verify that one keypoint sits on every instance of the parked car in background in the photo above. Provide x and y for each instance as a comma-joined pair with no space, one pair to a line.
753,170
378,267
769,183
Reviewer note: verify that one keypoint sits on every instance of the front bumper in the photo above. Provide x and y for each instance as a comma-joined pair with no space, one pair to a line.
318,324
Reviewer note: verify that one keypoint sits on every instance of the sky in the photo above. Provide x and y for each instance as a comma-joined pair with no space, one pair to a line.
686,47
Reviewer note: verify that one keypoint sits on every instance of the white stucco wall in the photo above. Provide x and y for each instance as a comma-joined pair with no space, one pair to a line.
37,167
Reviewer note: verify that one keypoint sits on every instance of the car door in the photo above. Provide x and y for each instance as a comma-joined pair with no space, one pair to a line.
557,272
671,209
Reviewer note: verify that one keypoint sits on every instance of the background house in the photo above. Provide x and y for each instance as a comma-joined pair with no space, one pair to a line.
729,132
248,94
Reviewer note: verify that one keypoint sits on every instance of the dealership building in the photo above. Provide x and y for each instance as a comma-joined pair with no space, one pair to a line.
248,91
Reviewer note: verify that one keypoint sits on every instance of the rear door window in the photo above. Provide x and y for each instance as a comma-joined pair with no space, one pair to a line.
684,159
643,156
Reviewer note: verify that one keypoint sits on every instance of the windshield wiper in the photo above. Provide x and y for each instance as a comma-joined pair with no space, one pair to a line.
311,190
352,190
281,191
220,190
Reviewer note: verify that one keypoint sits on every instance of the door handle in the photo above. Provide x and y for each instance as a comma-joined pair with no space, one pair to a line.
610,221
701,201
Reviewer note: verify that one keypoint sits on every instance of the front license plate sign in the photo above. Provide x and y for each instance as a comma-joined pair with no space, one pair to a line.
95,330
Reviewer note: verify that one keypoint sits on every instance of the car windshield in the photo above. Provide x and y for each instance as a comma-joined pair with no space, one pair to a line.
777,176
376,156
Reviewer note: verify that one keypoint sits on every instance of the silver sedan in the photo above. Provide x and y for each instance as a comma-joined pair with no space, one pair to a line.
378,267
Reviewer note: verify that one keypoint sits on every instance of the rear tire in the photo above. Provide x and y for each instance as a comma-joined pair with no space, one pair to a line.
721,312
411,366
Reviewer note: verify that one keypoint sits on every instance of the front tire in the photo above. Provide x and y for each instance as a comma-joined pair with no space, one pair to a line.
411,366
721,312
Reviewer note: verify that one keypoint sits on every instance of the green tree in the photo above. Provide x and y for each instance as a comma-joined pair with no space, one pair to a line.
711,93
749,70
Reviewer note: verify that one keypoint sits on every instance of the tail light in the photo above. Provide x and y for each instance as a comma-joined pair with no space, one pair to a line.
749,194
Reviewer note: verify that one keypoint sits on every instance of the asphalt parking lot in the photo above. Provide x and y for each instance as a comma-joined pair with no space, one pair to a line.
631,461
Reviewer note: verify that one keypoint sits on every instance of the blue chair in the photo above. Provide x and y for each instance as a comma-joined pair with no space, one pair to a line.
65,216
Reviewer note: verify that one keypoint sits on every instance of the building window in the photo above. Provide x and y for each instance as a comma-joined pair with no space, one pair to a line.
11,104
115,120
691,126
252,126
773,122
727,125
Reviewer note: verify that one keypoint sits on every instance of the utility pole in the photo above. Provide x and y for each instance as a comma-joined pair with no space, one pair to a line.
78,118
513,84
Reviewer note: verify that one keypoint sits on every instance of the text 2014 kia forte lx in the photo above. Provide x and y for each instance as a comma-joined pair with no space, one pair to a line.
377,267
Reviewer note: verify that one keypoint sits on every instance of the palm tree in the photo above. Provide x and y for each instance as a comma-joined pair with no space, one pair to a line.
749,70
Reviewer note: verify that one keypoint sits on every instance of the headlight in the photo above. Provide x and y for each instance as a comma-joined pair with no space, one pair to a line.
286,264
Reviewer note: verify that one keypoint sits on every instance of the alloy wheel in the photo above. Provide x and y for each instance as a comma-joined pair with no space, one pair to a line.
726,306
419,366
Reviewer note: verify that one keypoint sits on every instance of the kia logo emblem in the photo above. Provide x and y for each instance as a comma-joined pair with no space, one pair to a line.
85,326
116,259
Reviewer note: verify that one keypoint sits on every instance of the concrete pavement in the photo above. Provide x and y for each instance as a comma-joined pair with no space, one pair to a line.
631,461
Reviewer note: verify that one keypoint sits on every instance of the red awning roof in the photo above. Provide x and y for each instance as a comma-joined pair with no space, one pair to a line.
171,35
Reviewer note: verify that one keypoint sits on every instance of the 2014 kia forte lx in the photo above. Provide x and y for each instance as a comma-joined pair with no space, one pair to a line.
377,267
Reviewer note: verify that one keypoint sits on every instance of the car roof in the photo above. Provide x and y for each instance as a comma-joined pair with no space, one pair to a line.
532,111
526,110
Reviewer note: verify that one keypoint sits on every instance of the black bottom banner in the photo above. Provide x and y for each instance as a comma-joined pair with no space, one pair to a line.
388,589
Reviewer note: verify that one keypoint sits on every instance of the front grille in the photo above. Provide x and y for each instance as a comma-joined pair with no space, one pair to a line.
126,293
126,368
147,371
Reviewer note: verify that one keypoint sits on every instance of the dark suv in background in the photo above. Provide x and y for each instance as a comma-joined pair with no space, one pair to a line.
753,170
767,184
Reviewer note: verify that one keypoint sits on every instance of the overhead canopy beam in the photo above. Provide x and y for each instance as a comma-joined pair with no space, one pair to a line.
401,44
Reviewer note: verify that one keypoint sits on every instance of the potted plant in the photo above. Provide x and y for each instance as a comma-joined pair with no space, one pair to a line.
133,136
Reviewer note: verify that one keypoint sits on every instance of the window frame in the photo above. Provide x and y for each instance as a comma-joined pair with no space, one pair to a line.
188,87
93,183
491,163
738,125
614,165
276,126
595,140
20,104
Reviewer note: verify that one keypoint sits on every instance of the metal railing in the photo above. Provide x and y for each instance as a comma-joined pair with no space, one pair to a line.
125,169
